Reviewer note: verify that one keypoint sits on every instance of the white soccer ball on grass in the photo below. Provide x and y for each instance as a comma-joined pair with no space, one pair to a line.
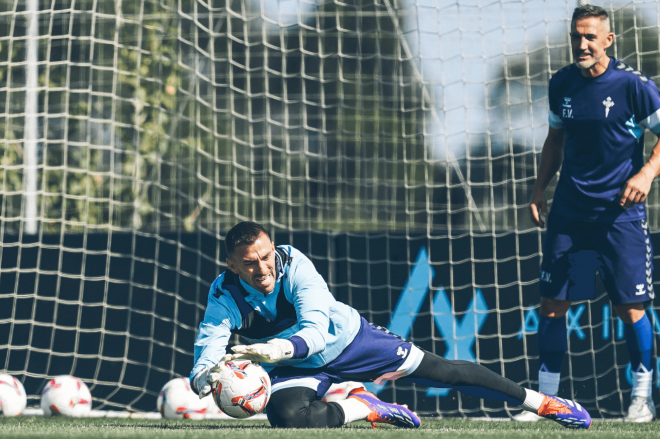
66,396
12,396
177,401
243,390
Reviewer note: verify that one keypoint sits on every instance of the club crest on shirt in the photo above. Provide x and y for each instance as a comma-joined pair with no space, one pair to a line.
609,103
567,111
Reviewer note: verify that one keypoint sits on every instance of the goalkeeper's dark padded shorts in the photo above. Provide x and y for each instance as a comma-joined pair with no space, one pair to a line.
374,355
573,251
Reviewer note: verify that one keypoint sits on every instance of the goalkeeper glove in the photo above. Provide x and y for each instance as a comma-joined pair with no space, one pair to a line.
273,351
208,378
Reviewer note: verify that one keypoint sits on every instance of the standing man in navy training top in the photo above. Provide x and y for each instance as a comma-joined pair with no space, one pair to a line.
599,109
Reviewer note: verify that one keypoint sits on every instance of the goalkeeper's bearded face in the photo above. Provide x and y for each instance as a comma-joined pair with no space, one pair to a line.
255,264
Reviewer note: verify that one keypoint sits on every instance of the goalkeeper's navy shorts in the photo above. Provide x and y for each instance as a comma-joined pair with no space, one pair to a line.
374,355
621,252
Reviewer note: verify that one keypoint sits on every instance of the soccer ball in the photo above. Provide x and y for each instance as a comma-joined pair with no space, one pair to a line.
243,389
178,401
339,392
12,396
66,396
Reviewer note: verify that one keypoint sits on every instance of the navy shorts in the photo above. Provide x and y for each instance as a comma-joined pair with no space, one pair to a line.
374,355
574,250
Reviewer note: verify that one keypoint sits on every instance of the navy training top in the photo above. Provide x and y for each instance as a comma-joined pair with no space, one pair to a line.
604,120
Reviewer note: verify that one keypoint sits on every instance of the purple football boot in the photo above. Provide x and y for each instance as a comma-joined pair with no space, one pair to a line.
384,412
570,414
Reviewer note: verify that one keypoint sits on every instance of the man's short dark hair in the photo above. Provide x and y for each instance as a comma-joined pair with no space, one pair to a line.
586,11
244,233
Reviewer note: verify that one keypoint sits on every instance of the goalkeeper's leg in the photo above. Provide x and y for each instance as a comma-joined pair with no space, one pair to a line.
302,407
469,378
480,382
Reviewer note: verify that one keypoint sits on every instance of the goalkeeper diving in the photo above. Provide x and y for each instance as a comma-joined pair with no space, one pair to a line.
274,297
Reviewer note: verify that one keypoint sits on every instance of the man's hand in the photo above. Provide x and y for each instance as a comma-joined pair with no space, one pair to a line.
208,378
636,189
539,208
273,351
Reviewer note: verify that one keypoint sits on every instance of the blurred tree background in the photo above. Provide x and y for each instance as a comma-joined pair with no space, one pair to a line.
157,115
182,114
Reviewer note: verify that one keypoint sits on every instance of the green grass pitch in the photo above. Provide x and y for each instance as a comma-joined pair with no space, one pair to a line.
449,428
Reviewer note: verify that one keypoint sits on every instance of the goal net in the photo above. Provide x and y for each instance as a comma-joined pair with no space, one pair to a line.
395,142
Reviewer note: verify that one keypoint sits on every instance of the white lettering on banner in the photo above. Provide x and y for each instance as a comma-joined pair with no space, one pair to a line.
460,333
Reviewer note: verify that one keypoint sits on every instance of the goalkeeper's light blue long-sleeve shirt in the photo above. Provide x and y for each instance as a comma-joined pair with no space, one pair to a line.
326,325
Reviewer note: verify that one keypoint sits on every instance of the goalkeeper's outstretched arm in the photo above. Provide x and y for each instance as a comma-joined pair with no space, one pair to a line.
214,332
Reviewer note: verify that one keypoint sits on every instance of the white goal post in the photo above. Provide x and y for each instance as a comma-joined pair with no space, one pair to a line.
395,142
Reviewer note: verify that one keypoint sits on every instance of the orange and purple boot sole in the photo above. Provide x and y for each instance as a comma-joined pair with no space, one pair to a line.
384,412
570,414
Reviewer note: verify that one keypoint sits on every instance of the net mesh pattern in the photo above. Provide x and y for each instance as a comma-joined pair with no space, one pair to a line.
363,132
